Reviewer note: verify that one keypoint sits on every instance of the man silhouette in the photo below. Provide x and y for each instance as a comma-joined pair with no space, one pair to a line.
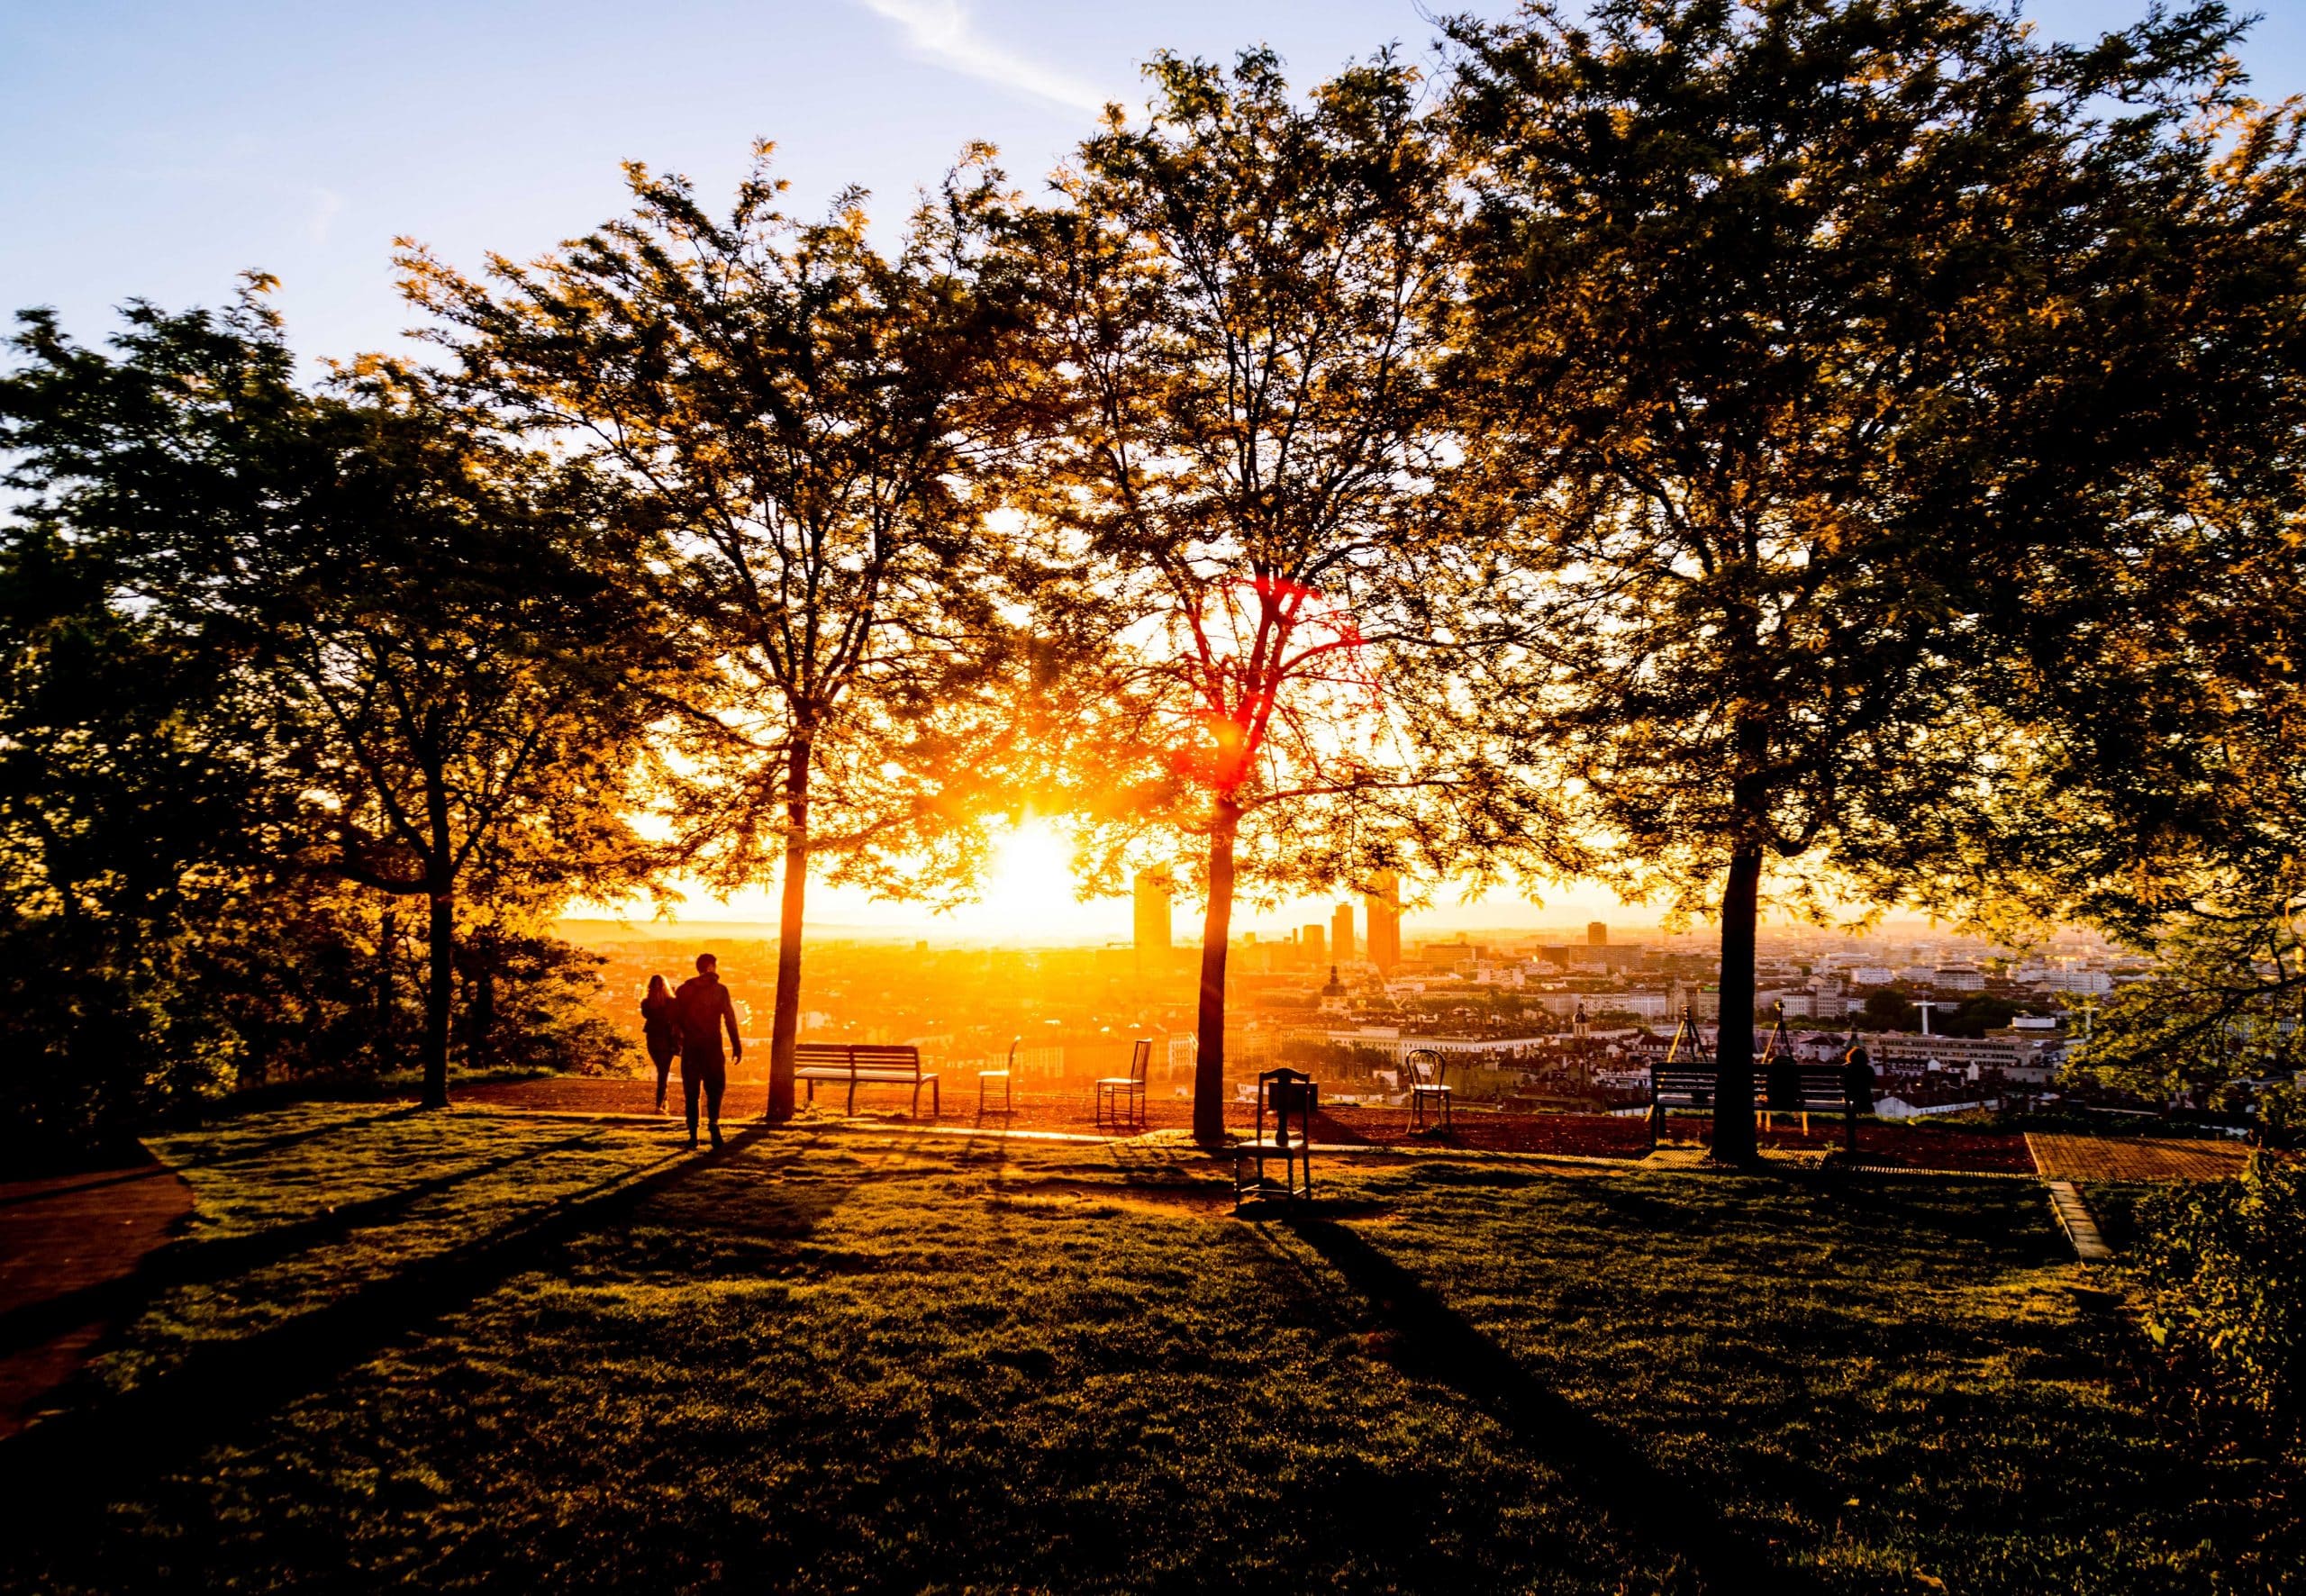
704,1008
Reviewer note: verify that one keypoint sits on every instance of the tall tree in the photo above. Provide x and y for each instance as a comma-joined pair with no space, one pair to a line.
1775,300
441,628
805,418
1247,297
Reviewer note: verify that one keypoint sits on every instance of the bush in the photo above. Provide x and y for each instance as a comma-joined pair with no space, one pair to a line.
2224,1265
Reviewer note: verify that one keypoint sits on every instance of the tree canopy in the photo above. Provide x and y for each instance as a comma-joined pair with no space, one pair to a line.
1245,301
807,420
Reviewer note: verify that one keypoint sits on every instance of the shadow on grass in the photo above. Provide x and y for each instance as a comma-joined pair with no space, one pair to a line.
204,1261
1430,1340
260,1146
72,1464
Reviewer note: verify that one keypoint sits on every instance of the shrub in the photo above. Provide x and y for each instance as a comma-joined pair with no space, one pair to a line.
2224,1266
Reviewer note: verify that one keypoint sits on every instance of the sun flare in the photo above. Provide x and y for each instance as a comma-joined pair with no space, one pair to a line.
1032,881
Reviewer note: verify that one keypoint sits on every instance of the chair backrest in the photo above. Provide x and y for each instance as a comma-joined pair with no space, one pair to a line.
1011,1065
1424,1066
1288,1094
1140,1058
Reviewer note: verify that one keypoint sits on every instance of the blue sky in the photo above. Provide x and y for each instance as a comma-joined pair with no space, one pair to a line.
159,148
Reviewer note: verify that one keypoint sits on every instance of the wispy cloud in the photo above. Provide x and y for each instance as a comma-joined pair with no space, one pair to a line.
326,203
943,32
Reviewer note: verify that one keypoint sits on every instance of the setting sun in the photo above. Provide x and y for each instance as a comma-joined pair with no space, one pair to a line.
1031,878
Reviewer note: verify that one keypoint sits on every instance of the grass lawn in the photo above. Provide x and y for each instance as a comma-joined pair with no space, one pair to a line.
481,1352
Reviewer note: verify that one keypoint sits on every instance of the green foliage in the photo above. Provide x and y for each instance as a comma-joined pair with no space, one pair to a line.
1829,346
265,648
2222,1008
1244,302
2224,1267
532,1002
809,423
1889,1010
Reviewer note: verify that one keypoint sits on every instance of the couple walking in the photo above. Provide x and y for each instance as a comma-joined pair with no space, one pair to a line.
689,1022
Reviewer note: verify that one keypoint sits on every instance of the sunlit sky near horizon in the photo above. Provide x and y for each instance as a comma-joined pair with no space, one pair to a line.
158,150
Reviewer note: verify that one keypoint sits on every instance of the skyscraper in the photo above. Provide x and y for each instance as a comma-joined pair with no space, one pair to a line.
1341,933
1154,889
1313,940
1597,934
1383,904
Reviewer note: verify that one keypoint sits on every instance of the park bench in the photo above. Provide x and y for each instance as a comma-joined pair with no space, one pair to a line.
1785,1086
864,1064
1422,1065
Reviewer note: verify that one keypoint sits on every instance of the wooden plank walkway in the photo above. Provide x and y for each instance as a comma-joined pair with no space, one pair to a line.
2081,1229
2134,1158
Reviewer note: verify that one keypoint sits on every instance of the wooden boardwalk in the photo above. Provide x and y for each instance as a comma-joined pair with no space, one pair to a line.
2134,1158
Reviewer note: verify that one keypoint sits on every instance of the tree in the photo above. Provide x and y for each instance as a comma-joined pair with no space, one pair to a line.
131,810
1889,1009
2155,666
440,629
1777,302
806,419
1245,303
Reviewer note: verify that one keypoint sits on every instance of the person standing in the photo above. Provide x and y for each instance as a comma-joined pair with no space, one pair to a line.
660,1030
704,1010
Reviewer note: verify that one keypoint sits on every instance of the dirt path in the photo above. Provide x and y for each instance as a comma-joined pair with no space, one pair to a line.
62,1240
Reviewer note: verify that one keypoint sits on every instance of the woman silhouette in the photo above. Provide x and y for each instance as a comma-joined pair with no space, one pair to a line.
660,1026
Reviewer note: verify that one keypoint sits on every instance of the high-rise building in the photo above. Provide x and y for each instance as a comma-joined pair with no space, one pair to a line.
1154,890
1341,933
1383,905
1597,934
1314,940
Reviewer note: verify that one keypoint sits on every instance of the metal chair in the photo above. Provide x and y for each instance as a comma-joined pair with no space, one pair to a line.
1003,1075
1290,1098
1423,1067
1117,1090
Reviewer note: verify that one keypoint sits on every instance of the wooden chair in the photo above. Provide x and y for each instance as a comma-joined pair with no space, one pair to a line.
1003,1075
1129,1089
1288,1100
1423,1067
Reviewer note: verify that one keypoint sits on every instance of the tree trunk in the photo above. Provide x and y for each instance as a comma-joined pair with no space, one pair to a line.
787,1028
1216,934
387,936
1733,1099
438,989
483,1026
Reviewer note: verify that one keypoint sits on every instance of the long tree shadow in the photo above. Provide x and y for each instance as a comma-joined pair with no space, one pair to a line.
71,1464
260,1146
196,1261
1429,1339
